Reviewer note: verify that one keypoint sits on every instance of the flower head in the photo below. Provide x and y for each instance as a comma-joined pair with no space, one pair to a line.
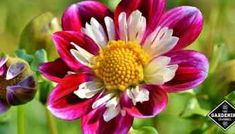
17,84
117,66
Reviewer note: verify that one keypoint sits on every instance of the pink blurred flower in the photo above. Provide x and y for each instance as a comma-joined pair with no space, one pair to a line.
117,66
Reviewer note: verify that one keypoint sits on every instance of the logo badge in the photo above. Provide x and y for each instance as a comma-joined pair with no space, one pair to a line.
223,115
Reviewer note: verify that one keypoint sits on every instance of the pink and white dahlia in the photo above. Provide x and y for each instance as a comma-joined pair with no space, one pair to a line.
117,66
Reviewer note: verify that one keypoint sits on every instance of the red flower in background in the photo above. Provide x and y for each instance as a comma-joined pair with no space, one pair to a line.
117,66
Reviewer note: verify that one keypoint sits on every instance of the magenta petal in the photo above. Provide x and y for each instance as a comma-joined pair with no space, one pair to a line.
192,70
151,9
3,70
64,104
76,15
3,67
187,23
157,102
55,70
4,106
3,60
93,123
63,45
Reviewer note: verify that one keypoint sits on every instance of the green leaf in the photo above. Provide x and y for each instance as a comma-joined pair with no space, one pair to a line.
216,57
44,89
231,97
197,131
193,109
40,56
143,122
21,53
144,130
5,117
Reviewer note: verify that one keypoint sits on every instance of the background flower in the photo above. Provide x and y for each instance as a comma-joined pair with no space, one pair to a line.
17,83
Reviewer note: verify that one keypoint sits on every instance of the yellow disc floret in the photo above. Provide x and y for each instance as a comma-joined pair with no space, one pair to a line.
120,64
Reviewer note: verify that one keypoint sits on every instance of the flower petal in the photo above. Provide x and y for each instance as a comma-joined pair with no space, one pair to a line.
23,92
151,9
55,70
93,123
14,70
186,22
192,70
162,43
76,15
111,112
64,104
136,26
156,63
4,106
3,60
158,71
137,95
110,28
122,24
157,102
87,90
63,44
112,109
102,100
96,32
81,58
3,70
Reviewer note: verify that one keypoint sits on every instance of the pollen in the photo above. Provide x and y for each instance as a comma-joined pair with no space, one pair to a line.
120,64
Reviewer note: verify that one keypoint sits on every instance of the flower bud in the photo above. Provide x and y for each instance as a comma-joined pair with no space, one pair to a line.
37,34
17,83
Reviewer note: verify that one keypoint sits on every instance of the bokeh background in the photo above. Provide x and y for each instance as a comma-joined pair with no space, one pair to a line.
186,112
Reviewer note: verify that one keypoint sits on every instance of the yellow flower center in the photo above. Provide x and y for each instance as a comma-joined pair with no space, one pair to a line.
120,64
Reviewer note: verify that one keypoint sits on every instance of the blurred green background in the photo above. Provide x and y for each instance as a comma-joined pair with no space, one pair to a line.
185,113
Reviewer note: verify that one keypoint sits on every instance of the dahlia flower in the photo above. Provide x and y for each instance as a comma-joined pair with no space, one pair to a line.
17,84
115,67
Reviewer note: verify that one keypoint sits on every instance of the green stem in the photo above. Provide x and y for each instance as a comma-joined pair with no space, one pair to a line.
51,123
20,120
